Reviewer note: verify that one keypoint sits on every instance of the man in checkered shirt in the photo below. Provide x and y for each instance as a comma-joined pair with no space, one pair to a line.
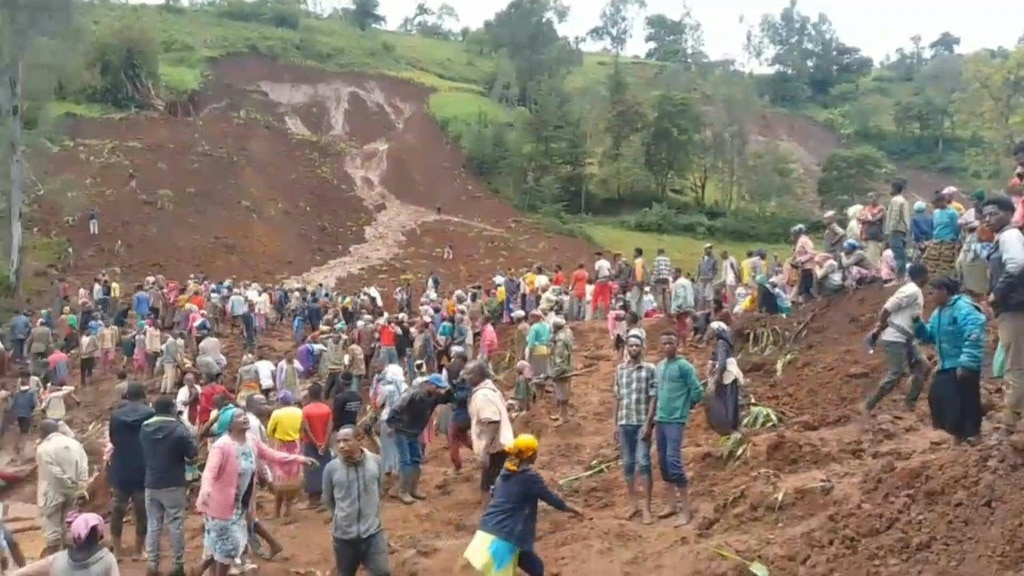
635,392
662,281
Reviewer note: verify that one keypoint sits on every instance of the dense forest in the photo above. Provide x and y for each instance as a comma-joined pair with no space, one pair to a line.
662,142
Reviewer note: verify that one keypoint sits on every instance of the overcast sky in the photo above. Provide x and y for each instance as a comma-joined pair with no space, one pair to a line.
878,27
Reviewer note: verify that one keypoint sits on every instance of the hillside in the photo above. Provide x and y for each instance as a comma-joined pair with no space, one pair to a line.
286,171
474,102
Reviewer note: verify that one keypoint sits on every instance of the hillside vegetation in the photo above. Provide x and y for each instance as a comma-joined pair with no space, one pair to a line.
667,143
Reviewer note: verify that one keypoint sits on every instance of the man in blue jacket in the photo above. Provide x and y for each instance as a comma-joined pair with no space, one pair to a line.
168,448
127,472
20,328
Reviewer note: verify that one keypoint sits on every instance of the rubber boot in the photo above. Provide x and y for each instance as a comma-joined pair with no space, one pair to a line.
404,483
414,485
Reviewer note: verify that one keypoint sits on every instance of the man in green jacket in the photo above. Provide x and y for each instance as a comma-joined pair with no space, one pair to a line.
679,391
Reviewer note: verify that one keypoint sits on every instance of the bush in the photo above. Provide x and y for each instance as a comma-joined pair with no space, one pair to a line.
735,225
267,12
125,57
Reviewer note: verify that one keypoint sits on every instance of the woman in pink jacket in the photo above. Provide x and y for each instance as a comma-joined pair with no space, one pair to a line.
227,489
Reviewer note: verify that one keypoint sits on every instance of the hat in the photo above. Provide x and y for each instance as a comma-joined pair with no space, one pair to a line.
920,206
635,334
978,195
518,315
558,322
829,214
436,380
709,245
83,524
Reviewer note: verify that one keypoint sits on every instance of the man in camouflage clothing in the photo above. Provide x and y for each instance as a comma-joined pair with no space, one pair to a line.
562,367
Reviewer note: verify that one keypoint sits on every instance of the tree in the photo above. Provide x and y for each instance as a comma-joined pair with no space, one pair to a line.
672,139
945,44
849,174
675,41
431,23
365,14
616,25
771,176
525,30
23,23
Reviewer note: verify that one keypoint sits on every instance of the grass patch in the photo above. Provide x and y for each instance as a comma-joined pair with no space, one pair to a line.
61,108
458,112
179,80
684,251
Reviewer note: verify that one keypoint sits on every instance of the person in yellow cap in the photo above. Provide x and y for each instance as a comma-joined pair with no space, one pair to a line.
508,527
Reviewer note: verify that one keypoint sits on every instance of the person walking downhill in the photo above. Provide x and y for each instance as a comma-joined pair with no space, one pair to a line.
167,449
679,391
562,367
63,469
408,419
895,331
351,493
635,390
127,472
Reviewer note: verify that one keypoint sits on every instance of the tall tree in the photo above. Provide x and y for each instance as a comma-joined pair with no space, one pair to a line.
616,25
849,174
945,44
23,24
672,139
677,41
365,14
525,30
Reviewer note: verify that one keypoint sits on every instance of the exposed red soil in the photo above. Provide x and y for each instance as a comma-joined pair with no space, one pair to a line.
813,143
819,497
233,193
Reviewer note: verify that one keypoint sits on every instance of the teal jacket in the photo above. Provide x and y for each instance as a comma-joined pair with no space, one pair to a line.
957,330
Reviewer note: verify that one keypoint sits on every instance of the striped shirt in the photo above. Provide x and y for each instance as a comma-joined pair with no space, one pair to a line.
662,268
635,389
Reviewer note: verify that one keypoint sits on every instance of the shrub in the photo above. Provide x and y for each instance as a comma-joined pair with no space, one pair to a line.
125,58
734,225
266,12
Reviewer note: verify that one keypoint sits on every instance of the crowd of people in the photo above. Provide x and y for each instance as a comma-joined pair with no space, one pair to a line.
358,371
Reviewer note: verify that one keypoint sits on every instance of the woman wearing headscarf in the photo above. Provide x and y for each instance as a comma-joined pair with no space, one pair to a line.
921,226
972,264
248,382
956,329
285,429
387,396
538,345
225,495
803,260
857,269
88,555
941,254
722,402
508,528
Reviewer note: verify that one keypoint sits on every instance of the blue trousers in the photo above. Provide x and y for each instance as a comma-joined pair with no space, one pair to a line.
668,436
410,452
634,450
898,243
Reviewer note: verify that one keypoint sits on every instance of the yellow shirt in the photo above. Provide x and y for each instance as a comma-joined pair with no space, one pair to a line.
285,424
957,206
638,269
115,290
501,294
529,279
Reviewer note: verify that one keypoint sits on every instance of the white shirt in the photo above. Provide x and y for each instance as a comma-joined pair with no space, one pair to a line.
603,269
541,281
266,370
903,306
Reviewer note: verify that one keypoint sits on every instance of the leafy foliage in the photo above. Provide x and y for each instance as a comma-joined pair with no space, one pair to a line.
125,57
847,175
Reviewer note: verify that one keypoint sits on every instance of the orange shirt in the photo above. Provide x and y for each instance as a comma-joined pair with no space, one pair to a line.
387,336
579,283
559,279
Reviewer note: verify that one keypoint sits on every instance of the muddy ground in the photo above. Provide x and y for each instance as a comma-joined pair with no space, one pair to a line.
289,169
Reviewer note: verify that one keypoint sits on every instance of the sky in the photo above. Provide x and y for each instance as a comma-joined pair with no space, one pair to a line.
877,27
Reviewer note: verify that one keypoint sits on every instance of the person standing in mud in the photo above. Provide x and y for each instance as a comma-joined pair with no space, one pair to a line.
679,391
63,470
895,332
562,367
352,492
167,449
635,389
127,472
